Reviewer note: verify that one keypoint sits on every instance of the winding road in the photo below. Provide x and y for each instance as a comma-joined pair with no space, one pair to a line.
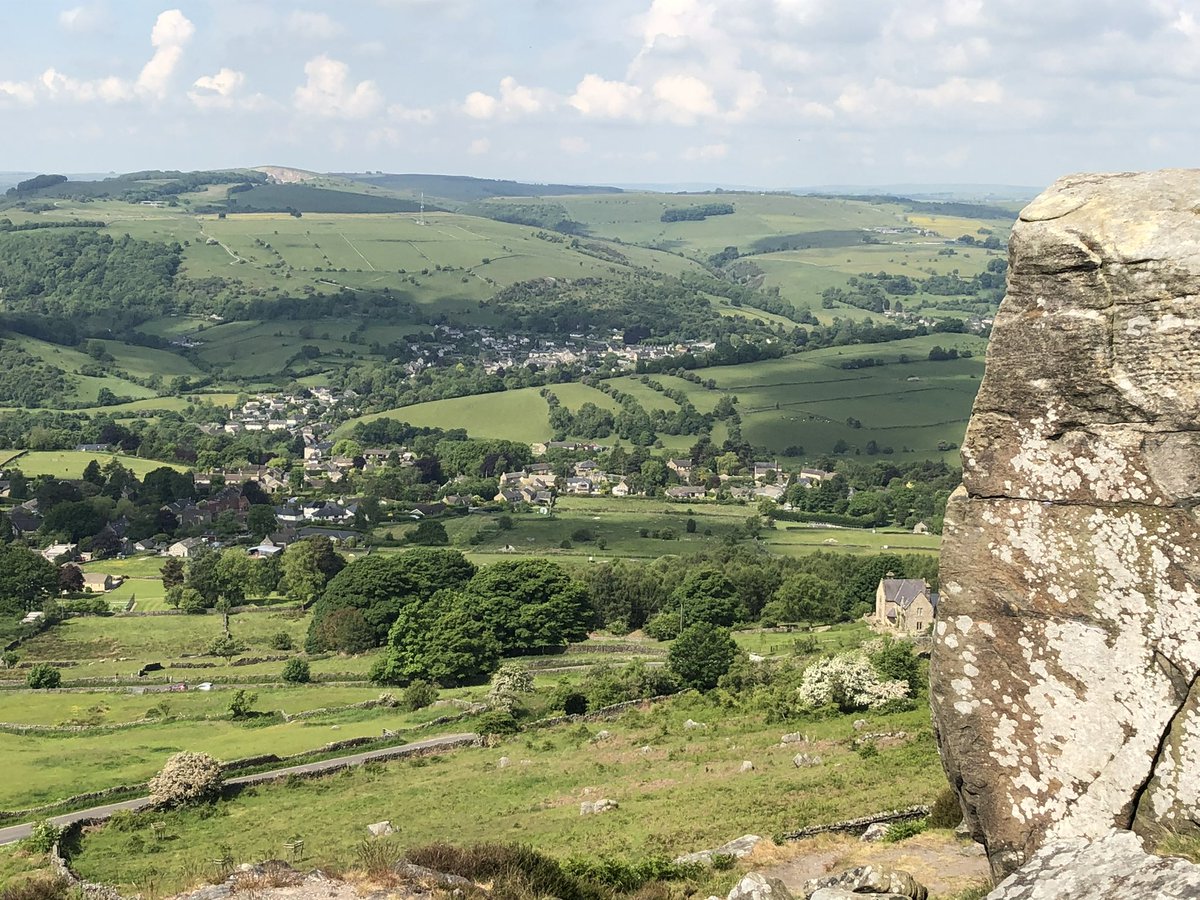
14,833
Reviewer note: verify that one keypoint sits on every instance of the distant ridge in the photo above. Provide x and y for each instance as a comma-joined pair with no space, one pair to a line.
966,192
465,189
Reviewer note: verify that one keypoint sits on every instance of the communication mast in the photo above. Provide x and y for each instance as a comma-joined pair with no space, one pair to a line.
421,219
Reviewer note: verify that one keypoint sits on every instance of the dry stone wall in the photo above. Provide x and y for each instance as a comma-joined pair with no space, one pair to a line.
1067,647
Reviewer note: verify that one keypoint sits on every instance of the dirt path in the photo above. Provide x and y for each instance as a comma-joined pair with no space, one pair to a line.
939,861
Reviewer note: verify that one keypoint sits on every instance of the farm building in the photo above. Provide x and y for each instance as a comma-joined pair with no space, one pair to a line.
905,604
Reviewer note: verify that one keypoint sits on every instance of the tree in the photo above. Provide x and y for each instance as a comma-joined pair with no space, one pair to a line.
92,473
707,595
172,572
235,572
701,655
43,676
226,646
530,604
429,533
25,579
345,630
241,702
202,575
308,566
438,641
186,778
295,671
70,579
381,586
509,682
803,598
261,521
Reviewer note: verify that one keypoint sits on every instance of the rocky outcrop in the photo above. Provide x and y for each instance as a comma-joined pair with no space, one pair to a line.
1115,867
869,880
1067,648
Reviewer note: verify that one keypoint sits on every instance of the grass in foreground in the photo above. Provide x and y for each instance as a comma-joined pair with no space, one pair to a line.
650,764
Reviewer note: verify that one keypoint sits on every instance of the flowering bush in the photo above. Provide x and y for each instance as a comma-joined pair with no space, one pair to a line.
849,682
186,778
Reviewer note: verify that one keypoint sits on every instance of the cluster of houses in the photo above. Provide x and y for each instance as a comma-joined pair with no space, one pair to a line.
536,484
294,414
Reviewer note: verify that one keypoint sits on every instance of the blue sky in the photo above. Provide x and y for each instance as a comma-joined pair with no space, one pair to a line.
770,93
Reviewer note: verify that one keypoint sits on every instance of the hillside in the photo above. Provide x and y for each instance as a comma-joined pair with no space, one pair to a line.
227,280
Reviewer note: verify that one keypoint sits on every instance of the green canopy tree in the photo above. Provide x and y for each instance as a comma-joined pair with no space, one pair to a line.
530,604
701,655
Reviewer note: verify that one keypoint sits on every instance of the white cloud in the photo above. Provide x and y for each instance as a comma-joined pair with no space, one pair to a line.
512,101
302,23
685,98
329,93
417,116
20,91
170,35
479,147
598,98
107,90
885,99
479,105
574,145
216,90
706,153
84,18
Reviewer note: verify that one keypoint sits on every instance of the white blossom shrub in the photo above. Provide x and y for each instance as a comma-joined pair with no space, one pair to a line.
848,682
508,683
186,778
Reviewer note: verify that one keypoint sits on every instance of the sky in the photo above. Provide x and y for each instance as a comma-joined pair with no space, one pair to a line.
765,93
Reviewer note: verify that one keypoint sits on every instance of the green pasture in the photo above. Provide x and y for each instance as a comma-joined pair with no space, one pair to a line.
121,705
616,523
94,760
71,463
649,398
520,415
573,395
146,361
536,799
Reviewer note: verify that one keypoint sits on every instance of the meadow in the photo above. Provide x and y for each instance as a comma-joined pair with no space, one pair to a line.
614,525
808,400
71,463
650,763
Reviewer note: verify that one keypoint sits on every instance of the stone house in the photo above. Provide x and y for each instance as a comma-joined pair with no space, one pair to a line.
906,605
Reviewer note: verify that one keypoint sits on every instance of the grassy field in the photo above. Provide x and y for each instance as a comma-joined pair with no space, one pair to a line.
536,799
71,463
804,400
96,760
614,524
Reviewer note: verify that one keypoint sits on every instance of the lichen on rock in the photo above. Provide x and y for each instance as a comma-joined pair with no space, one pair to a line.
1067,647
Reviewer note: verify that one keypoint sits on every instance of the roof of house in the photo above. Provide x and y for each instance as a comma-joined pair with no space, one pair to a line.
903,591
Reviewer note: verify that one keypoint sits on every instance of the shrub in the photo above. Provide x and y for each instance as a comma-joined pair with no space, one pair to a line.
241,702
513,870
43,676
296,671
900,831
186,778
497,721
42,837
419,695
663,627
37,887
849,682
946,811
280,640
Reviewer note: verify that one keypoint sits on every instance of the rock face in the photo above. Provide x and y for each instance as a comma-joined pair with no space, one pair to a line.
1067,647
1112,868
871,880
